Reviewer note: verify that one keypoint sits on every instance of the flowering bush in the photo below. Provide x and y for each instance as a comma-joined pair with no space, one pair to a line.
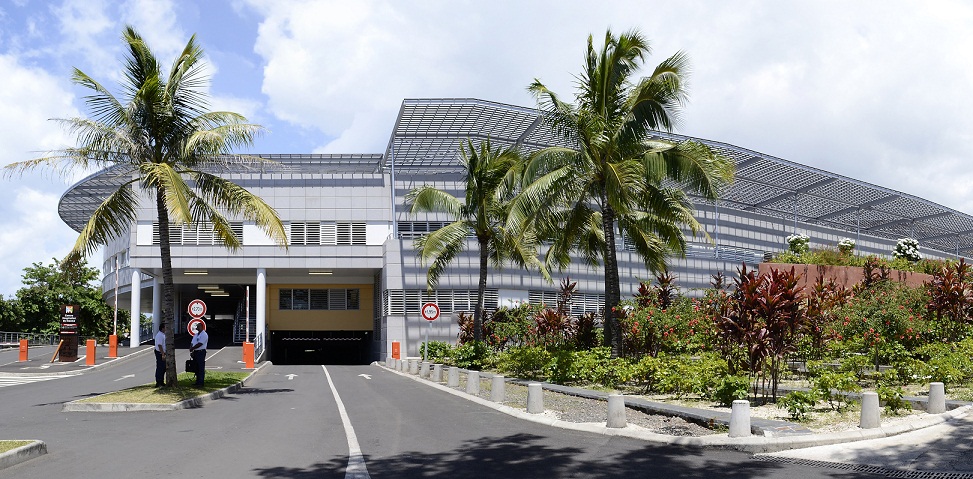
846,245
798,243
907,248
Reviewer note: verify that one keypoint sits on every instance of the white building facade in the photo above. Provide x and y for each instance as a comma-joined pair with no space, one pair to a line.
350,284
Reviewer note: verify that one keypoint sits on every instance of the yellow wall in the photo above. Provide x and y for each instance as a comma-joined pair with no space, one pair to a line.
314,320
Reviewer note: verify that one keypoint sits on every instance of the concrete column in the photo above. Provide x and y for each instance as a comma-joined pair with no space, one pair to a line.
616,411
937,399
535,398
740,418
453,380
136,308
437,373
497,391
424,369
870,413
262,303
473,382
156,304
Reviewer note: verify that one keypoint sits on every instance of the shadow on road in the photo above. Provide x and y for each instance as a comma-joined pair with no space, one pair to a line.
526,456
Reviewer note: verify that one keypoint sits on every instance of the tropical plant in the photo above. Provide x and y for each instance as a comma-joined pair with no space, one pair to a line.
160,133
616,171
798,243
908,249
846,246
490,180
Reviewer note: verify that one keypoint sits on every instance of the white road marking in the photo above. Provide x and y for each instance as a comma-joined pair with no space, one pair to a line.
15,380
366,376
292,376
356,461
125,377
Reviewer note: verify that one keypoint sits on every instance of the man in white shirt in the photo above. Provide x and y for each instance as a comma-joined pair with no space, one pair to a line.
197,351
160,356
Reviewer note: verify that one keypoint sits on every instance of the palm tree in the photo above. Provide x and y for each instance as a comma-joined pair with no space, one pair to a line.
490,180
616,173
159,130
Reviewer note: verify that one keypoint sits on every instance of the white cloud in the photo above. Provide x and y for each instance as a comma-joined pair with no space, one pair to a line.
30,232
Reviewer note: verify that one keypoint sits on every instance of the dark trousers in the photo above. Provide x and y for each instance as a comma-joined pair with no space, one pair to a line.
199,356
160,369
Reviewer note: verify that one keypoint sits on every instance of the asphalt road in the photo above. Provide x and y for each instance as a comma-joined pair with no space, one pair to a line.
286,423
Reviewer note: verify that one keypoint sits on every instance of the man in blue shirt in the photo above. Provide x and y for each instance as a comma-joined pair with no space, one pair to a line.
197,351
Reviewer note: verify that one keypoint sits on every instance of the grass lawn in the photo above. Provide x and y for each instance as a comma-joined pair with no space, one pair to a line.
185,389
10,445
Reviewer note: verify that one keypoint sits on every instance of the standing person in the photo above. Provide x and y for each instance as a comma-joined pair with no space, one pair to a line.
160,356
198,352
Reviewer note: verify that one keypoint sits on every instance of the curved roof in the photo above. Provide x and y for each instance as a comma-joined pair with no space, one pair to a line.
427,134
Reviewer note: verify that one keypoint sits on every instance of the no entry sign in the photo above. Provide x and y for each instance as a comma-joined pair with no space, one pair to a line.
430,311
195,325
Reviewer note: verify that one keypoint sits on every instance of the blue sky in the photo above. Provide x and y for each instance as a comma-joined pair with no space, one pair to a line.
875,90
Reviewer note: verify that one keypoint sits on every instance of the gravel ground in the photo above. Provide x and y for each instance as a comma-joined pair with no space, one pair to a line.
577,409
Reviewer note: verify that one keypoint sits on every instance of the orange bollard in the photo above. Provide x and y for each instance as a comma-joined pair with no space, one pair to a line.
112,346
23,350
396,351
90,356
248,355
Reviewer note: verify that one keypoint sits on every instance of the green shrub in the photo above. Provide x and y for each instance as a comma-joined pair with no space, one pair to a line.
834,386
892,398
527,362
439,351
590,366
798,404
472,355
730,388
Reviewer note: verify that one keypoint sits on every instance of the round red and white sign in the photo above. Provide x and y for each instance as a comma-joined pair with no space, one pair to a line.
197,308
195,325
430,311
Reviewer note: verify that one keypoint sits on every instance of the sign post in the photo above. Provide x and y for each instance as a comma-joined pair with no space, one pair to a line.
113,339
197,309
68,351
430,312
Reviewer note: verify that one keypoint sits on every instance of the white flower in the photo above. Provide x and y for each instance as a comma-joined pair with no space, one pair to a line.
798,243
907,248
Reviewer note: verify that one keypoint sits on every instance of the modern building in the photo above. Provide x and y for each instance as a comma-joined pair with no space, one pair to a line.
350,283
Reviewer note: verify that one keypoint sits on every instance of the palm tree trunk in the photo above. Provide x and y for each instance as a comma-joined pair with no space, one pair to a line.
167,288
613,333
480,291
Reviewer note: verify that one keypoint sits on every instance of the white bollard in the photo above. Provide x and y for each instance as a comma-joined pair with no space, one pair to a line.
424,369
497,392
535,398
616,411
413,366
453,380
870,412
937,399
437,373
473,382
388,361
740,418
402,365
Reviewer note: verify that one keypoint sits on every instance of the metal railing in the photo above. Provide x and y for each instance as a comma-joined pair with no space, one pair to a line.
258,347
9,339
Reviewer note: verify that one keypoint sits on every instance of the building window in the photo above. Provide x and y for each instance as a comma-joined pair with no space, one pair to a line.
329,233
319,299
196,234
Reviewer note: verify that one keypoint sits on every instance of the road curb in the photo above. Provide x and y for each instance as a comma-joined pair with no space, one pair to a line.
191,403
752,444
22,453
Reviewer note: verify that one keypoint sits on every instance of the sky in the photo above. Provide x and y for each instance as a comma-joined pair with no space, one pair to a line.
877,90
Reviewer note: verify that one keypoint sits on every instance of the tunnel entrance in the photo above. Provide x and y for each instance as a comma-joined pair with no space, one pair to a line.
320,347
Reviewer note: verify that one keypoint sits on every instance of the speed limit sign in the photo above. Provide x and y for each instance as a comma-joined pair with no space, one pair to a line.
197,308
430,311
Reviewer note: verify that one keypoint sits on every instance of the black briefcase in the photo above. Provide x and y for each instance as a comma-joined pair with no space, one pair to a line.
190,365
